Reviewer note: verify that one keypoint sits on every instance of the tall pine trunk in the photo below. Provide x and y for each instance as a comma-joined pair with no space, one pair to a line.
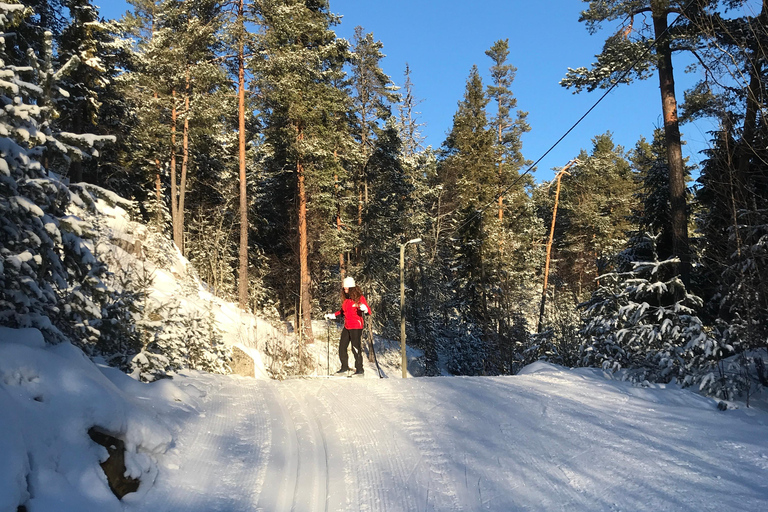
305,292
342,268
174,192
158,168
501,183
677,189
184,163
158,191
242,282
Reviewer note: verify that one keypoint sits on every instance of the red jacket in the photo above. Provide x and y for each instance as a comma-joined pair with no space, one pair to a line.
353,317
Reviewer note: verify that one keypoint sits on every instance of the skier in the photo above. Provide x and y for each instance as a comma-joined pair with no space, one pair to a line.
353,307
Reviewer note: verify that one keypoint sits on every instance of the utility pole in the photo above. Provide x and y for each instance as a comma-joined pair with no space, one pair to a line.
559,177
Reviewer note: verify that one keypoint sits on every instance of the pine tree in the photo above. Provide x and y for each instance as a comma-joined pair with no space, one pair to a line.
632,53
242,42
508,129
300,61
180,91
512,259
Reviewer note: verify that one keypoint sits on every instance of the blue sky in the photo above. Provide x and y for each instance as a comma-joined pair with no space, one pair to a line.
441,40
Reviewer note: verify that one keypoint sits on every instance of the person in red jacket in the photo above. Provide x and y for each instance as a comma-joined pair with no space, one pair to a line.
354,308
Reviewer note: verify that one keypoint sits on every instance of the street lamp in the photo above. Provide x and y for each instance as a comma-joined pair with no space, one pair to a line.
402,303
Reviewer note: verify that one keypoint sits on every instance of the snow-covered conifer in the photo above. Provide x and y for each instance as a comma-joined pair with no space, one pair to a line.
645,321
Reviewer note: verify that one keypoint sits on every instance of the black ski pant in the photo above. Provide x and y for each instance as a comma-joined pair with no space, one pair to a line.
351,336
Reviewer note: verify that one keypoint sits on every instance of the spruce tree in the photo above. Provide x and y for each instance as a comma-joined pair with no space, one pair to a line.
387,221
644,321
408,123
652,209
51,279
467,173
733,184
92,100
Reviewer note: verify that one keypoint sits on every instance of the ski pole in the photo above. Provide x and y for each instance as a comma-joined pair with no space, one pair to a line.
328,345
373,351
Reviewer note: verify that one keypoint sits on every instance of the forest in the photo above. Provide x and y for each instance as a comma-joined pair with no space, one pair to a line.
280,158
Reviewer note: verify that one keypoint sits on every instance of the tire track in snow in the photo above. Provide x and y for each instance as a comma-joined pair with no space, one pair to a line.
311,489
363,487
443,496
375,453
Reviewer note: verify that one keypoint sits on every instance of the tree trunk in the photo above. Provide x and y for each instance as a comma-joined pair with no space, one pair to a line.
306,299
543,304
501,182
184,163
677,188
174,210
158,172
158,191
342,269
305,279
484,290
242,282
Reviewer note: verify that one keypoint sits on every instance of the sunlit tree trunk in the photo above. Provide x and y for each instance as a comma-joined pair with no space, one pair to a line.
242,283
174,191
677,189
184,164
305,292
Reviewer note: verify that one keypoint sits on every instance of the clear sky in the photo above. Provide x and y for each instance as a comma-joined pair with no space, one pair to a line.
442,39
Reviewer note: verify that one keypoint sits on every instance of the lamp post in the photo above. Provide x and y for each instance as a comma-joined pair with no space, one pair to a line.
402,303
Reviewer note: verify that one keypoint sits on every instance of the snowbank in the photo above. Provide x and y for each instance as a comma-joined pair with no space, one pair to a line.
50,397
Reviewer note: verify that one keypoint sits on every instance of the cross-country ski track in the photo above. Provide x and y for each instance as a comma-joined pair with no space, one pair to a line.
551,439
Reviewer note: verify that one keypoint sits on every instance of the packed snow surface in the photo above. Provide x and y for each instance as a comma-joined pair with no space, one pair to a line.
546,439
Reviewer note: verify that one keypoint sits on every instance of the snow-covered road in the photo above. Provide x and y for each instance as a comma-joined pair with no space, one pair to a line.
547,440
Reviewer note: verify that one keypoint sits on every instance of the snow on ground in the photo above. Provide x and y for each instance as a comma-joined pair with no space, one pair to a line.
547,439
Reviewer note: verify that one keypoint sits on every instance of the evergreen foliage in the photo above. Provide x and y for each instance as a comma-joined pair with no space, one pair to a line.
302,113
51,279
651,214
335,184
645,322
593,221
89,98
